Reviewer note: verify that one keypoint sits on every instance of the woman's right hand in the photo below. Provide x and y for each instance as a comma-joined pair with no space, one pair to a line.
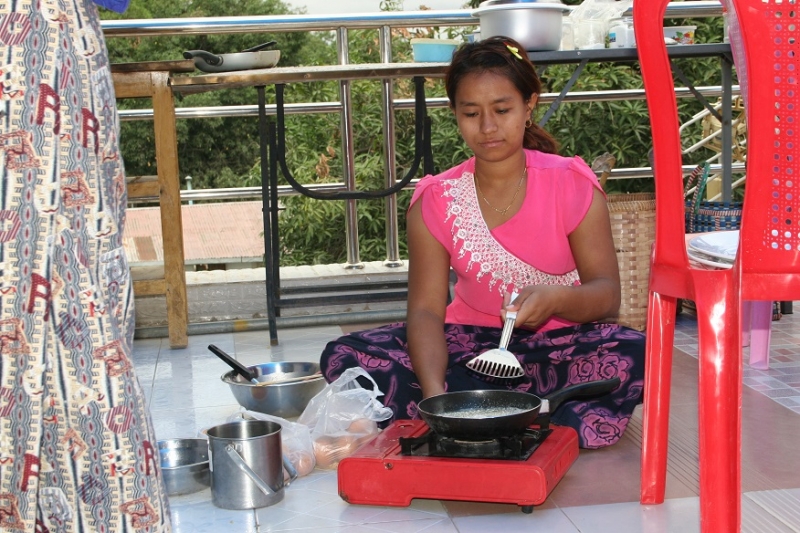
534,305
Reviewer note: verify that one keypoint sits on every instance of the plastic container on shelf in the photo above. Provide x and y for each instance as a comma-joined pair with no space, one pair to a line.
680,34
567,34
617,34
433,50
620,33
590,34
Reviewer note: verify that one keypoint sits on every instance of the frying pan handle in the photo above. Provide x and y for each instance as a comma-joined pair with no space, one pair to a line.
211,59
233,363
581,390
259,47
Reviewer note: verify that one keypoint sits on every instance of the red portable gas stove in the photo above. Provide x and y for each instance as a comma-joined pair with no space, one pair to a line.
407,460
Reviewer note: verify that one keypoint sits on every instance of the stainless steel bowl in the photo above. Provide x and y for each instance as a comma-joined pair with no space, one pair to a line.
535,25
184,464
285,400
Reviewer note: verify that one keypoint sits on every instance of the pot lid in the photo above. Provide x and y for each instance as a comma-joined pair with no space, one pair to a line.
490,6
488,3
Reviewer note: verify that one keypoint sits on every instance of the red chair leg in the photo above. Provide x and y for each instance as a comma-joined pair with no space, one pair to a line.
657,381
761,331
747,322
720,402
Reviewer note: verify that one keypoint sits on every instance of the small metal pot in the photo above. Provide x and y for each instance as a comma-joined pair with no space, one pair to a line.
285,400
184,465
535,25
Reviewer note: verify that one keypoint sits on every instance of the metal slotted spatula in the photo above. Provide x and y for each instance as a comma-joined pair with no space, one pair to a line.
499,362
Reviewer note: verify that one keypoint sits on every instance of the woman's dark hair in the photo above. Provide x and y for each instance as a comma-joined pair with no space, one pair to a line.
494,55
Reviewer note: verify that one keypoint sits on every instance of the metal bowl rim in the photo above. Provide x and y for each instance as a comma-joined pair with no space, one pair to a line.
187,466
228,377
195,441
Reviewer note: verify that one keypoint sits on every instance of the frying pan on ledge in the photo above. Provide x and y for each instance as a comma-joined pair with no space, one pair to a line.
252,58
487,414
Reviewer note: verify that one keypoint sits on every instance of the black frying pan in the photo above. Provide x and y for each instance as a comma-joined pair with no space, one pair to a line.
485,414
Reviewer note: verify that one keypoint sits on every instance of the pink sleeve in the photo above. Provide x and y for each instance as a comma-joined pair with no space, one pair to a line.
577,192
429,192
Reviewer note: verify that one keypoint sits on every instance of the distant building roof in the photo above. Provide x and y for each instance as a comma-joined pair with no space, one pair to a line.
230,232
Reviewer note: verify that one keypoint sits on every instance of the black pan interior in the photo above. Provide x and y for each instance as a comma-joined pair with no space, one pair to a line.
479,414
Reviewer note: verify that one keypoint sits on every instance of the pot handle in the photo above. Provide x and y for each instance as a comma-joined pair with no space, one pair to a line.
267,489
290,469
211,59
581,390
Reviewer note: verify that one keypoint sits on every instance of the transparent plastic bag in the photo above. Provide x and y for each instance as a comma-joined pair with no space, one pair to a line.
342,416
591,19
296,441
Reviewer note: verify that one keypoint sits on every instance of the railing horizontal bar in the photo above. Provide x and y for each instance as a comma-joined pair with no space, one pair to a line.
284,23
334,107
250,193
329,22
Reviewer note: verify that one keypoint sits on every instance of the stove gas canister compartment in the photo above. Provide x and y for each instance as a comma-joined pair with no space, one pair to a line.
391,479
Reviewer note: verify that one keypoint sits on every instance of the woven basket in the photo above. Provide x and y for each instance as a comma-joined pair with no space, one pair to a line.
633,225
713,216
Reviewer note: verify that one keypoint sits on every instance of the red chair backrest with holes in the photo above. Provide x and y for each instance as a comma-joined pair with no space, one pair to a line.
765,37
766,47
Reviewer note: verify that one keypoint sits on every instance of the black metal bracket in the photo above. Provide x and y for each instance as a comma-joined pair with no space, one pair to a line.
422,150
269,211
560,98
689,85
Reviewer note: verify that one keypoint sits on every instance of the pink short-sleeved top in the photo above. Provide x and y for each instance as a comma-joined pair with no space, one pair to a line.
532,247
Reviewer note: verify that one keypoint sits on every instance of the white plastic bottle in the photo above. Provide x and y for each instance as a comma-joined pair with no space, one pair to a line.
618,34
630,33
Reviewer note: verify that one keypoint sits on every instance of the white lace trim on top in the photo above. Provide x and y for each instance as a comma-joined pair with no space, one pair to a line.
472,239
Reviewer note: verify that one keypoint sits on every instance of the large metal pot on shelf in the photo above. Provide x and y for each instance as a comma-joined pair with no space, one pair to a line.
536,25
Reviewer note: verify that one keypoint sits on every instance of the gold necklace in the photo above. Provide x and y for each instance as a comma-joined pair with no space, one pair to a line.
519,186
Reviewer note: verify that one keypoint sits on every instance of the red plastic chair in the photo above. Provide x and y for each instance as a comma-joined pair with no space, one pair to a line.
767,267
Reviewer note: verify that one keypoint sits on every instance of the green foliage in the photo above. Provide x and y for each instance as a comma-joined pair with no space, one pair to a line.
216,152
223,152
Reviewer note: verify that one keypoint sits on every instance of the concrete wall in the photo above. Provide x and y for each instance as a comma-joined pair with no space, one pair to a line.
223,295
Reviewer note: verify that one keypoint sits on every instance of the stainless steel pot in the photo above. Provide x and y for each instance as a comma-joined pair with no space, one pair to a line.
275,394
535,25
247,464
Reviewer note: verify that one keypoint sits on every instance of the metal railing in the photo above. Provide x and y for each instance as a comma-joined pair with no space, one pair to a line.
250,193
330,22
340,25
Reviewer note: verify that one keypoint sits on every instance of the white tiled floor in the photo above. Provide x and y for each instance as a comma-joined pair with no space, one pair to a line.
186,395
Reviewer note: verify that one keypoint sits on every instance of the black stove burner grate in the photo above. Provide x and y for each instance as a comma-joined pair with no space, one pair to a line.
516,447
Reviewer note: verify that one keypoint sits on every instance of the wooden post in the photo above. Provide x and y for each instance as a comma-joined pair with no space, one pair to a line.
143,81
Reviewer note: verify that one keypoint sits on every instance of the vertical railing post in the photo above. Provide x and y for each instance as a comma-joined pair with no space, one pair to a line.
351,212
389,154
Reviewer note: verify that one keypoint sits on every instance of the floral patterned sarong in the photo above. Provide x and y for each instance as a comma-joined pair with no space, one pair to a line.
552,360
